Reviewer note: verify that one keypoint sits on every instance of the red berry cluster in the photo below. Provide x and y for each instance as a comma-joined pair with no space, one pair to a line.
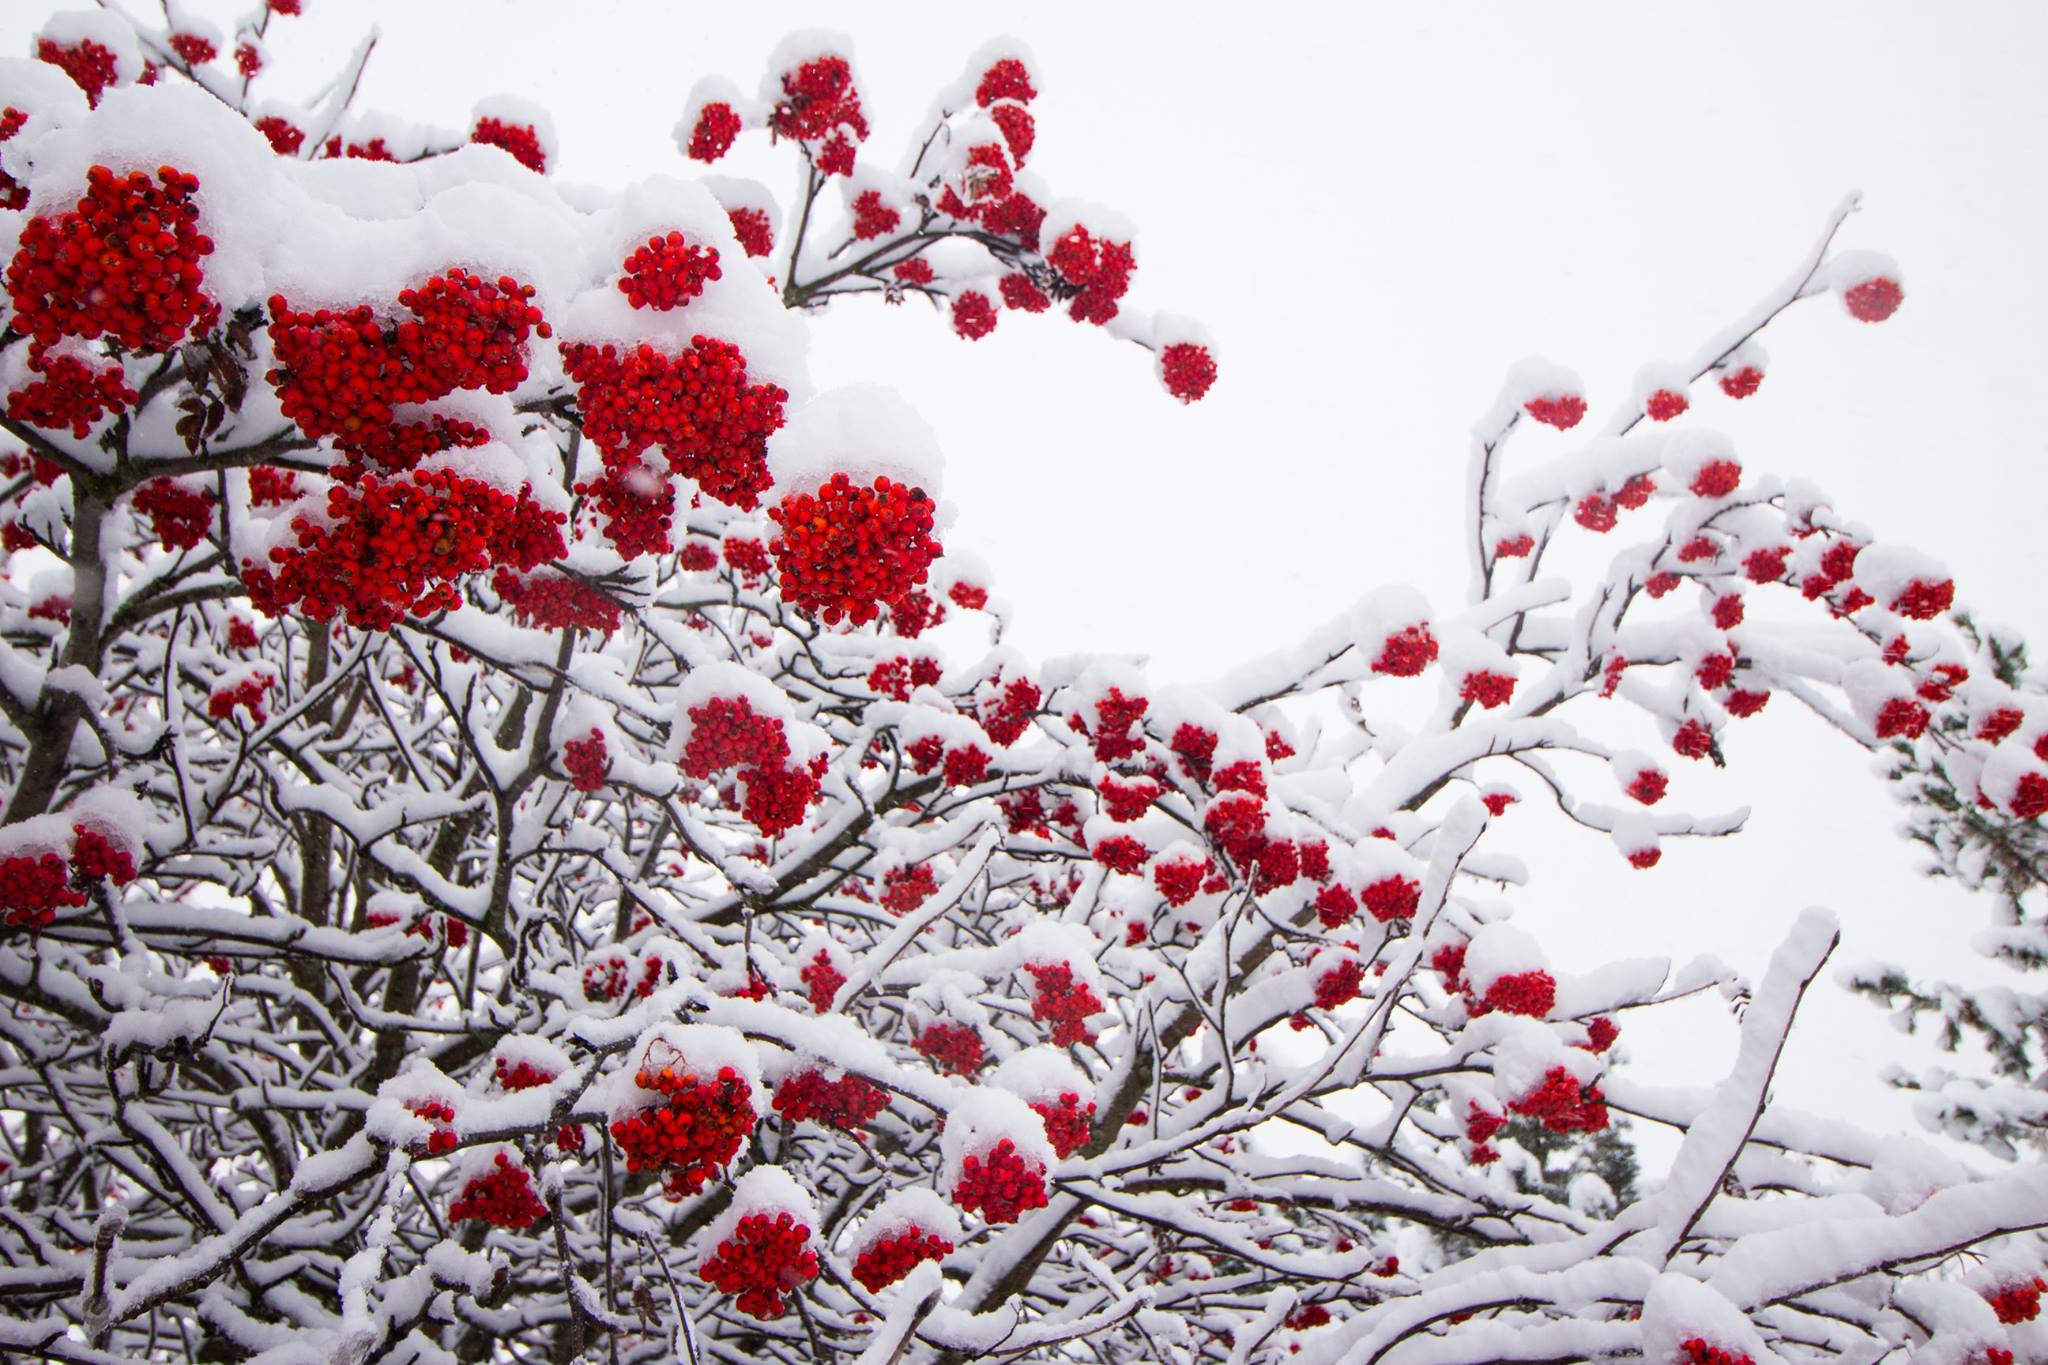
1021,294
586,761
906,888
94,856
520,139
1125,802
1068,1123
90,66
2017,1303
247,694
1000,1184
1562,1105
1120,853
1487,688
955,1049
442,1116
756,234
1901,718
886,1260
1099,269
123,264
822,979
872,218
33,888
764,1258
1698,1351
248,60
1693,740
1924,599
70,395
1873,300
711,137
1665,404
1188,370
694,1131
1066,1002
849,1103
1648,785
1340,985
1392,897
847,550
1007,79
895,678
1407,652
1562,411
388,549
270,486
520,1075
1716,479
712,425
667,272
341,374
180,515
1180,880
1006,716
1526,993
502,1197
821,108
777,798
554,601
1742,381
194,49
284,137
728,733
56,607
974,317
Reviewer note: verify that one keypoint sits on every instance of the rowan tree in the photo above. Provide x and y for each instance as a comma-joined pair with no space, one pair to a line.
522,842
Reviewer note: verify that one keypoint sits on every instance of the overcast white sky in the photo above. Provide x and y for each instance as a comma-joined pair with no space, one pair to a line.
1376,208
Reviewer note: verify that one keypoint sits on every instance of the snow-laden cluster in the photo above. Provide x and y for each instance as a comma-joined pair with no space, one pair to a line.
521,840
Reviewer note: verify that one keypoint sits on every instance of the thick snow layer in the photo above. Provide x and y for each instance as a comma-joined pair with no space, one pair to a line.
860,431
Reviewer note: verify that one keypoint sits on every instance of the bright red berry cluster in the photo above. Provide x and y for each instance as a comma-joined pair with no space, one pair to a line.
693,1132
729,733
1742,381
1562,411
13,194
1187,369
1562,1105
698,407
1873,300
1648,786
1487,688
521,140
91,66
872,218
1068,1123
555,601
821,108
886,1260
711,137
1526,993
974,317
123,264
849,1102
953,1048
1100,271
1665,404
762,1260
285,138
667,272
586,761
822,979
1340,985
895,678
246,695
1392,897
1698,1351
1407,652
442,1116
756,234
1005,717
391,548
1693,740
1000,1184
179,514
1717,479
1064,1001
70,394
33,888
502,1197
194,49
2017,1303
1021,294
846,550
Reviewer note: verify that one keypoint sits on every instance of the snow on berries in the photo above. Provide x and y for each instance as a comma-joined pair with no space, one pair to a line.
909,1227
668,271
763,1248
70,392
844,550
501,1195
124,263
843,1101
1097,267
521,130
1868,283
818,105
994,1155
691,1104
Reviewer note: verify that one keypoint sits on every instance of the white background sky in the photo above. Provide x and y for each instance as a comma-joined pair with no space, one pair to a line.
1376,208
